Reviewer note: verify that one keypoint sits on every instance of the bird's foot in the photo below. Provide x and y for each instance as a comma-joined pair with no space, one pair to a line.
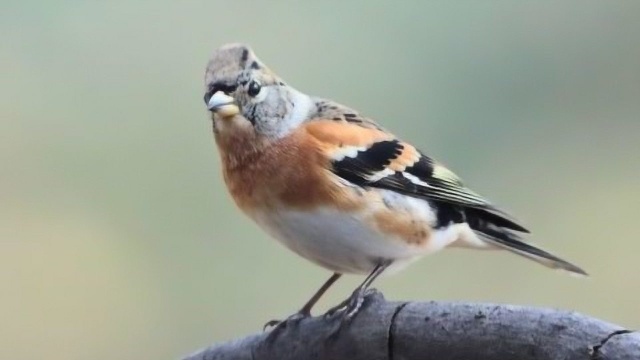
332,311
350,306
348,309
278,325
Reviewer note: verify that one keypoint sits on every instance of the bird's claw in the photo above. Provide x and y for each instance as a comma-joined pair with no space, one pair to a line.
351,305
332,311
281,324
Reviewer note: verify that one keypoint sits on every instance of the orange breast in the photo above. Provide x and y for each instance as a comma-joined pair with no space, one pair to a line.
291,172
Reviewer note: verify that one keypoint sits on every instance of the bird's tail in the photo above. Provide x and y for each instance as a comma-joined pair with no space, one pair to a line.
507,240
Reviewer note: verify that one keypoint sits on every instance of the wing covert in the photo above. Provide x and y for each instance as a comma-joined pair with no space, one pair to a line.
366,155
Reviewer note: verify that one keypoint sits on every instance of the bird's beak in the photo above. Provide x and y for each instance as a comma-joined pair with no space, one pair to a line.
223,105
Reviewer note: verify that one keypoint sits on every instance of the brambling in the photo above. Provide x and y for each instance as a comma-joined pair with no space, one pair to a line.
335,187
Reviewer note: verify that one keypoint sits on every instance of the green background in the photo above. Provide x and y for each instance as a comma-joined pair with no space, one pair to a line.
118,239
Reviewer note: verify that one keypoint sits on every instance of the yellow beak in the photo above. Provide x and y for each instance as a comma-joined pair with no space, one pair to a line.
223,105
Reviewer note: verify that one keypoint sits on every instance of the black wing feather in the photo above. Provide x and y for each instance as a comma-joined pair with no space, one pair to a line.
455,202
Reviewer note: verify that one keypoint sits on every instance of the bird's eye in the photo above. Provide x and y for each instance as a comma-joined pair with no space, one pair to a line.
254,88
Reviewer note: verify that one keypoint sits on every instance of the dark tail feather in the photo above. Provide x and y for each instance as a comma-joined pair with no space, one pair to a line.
510,241
494,217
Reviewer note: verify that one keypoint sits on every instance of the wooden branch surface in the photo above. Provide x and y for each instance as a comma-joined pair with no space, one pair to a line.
439,331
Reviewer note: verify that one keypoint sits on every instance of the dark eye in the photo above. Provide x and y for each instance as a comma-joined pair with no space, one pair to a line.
254,88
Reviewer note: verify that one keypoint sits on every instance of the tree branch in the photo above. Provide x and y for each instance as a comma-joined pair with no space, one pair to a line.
438,330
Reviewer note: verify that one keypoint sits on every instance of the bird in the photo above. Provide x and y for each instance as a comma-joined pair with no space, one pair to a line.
338,189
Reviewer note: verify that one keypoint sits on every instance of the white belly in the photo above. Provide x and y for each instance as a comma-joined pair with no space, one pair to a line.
348,243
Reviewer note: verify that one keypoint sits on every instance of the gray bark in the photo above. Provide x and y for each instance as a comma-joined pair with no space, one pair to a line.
438,330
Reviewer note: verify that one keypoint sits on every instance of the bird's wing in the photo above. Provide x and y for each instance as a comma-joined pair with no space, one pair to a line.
368,156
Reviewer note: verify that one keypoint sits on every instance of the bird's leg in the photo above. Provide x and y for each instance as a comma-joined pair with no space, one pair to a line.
353,303
305,311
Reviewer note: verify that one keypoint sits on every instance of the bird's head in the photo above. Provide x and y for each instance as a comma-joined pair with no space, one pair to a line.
244,95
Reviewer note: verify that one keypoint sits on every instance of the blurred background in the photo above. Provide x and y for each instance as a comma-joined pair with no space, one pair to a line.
118,239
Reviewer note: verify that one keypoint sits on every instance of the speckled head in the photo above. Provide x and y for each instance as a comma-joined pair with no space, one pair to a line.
238,83
228,61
